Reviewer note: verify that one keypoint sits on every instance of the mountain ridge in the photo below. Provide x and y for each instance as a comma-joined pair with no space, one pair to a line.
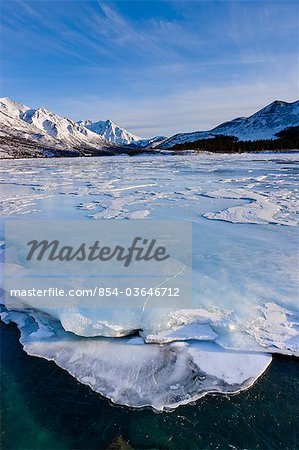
263,124
118,135
111,131
44,133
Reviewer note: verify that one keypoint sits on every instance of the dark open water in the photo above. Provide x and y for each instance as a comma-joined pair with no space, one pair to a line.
43,407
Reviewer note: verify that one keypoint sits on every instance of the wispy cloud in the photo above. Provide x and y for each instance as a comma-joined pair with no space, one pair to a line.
155,67
188,110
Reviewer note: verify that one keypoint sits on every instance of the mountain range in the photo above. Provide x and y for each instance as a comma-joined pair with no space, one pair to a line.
264,124
28,132
117,135
41,132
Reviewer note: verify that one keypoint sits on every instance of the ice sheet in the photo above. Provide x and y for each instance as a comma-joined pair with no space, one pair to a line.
245,272
129,372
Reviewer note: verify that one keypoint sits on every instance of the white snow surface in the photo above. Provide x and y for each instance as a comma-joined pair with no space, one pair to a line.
244,210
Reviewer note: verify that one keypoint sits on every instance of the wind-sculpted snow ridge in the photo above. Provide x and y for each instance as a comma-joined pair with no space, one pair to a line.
132,373
261,208
268,327
276,328
244,211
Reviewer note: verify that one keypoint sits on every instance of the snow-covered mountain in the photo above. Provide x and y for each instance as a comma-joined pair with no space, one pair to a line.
111,131
149,143
264,124
117,135
45,129
38,132
11,108
65,130
14,130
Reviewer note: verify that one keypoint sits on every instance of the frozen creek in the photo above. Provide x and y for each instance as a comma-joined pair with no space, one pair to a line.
245,290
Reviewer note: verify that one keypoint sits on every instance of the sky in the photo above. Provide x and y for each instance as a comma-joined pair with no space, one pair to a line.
153,67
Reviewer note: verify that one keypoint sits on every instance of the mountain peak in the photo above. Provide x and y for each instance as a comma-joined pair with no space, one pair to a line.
7,100
264,124
84,122
111,131
276,104
278,107
12,108
45,127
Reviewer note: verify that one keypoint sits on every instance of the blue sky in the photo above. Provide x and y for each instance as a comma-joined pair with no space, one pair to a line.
154,67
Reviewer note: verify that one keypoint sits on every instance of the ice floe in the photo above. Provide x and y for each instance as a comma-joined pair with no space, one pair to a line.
129,372
245,283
